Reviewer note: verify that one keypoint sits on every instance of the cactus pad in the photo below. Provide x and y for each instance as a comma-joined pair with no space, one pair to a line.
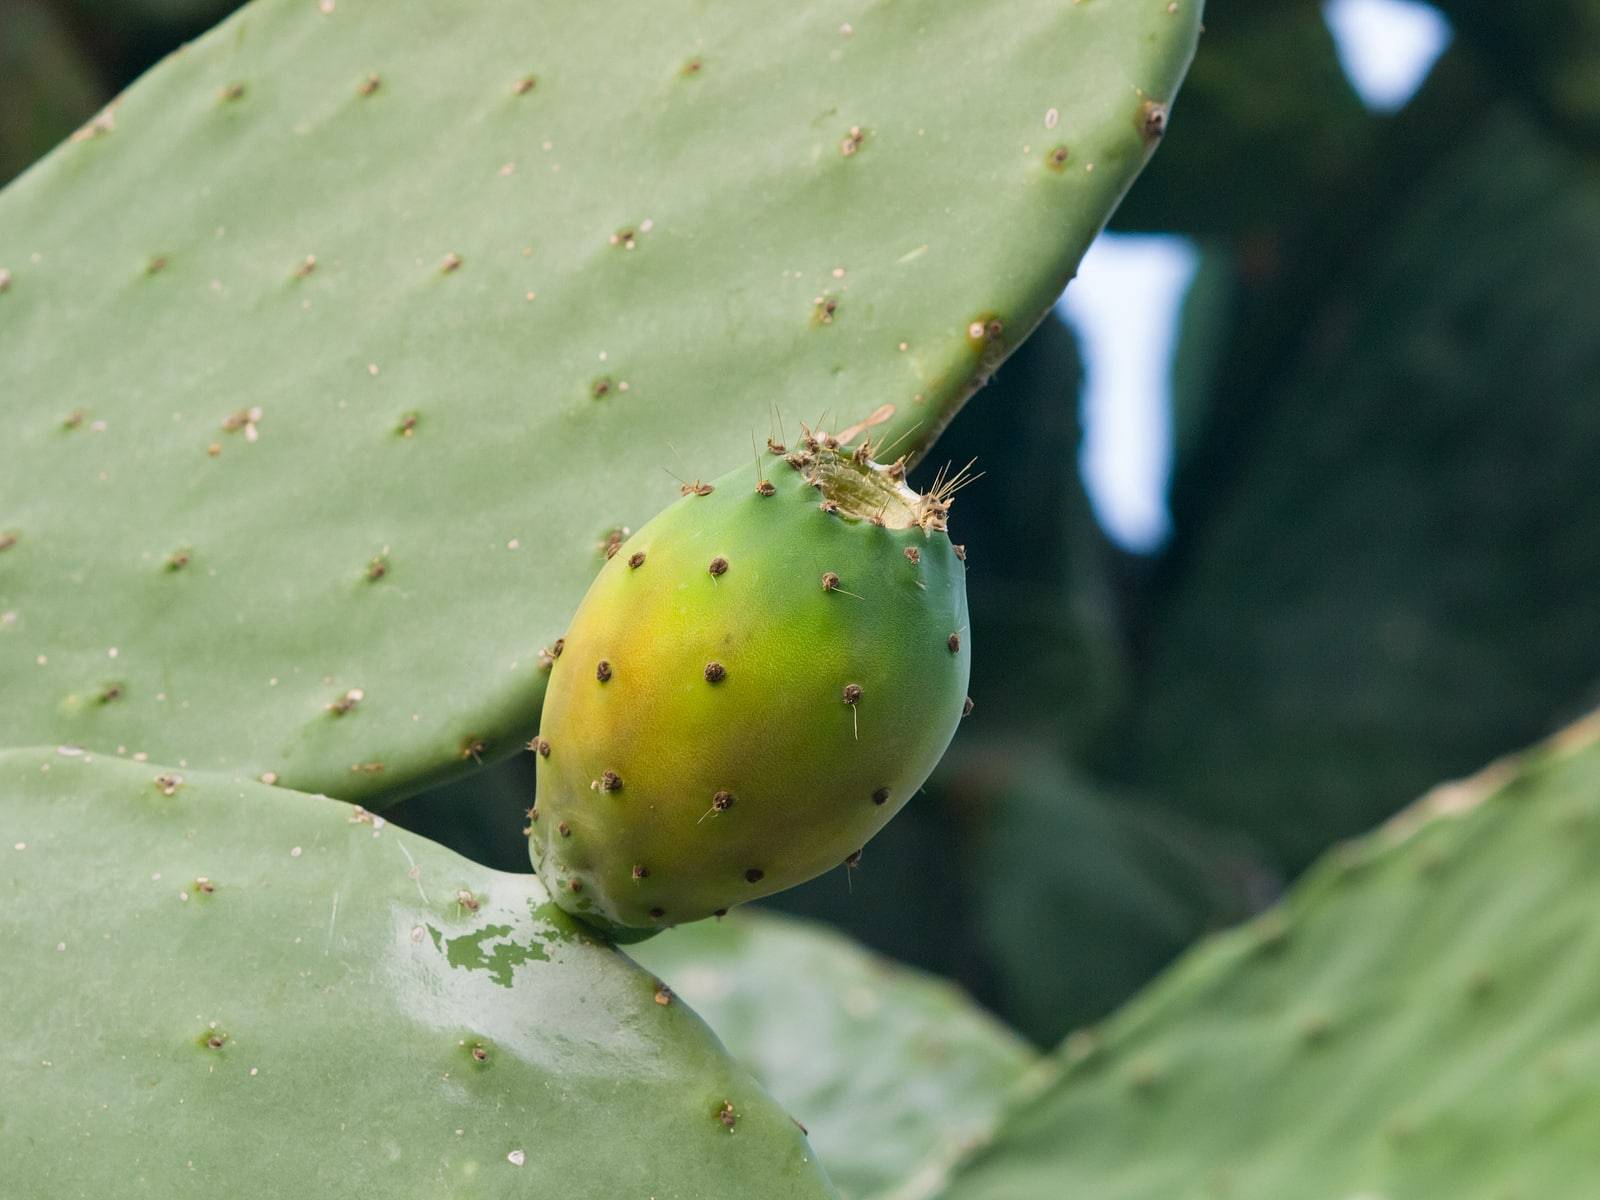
889,1069
757,681
332,354
1421,1020
215,988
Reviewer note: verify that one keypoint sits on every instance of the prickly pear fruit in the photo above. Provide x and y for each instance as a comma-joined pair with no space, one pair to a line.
757,680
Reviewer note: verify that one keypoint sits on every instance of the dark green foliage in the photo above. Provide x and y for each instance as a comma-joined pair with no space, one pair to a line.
1550,49
48,86
1397,580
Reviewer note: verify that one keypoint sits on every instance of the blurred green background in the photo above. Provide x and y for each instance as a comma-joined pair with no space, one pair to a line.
1368,556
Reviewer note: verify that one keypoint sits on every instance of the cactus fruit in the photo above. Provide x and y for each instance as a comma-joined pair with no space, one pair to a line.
756,682
1420,1020
330,354
227,989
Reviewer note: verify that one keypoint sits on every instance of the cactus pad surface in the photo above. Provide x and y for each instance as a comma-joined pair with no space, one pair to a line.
333,353
757,681
1420,1021
889,1069
215,988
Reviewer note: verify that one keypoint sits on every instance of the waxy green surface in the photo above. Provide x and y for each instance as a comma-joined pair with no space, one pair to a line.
892,1071
333,351
232,990
1420,1020
698,747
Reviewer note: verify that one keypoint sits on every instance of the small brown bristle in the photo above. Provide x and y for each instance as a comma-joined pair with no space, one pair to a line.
754,875
555,650
564,829
852,693
966,709
776,447
765,488
829,506
853,860
720,913
540,747
575,885
913,555
881,796
610,781
715,672
636,559
954,642
830,581
657,913
602,671
640,871
961,552
703,489
718,565
611,550
722,801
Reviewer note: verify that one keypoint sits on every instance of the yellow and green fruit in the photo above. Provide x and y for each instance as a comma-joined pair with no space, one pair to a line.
756,682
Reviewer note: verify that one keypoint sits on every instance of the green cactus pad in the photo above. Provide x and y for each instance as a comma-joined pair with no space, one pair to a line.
333,353
890,1070
757,681
1420,1021
213,988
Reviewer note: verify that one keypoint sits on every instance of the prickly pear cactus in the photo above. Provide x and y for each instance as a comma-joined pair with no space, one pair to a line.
217,988
1419,1021
333,354
757,681
892,1071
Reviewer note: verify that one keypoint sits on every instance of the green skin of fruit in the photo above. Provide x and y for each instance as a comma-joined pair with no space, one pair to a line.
811,776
